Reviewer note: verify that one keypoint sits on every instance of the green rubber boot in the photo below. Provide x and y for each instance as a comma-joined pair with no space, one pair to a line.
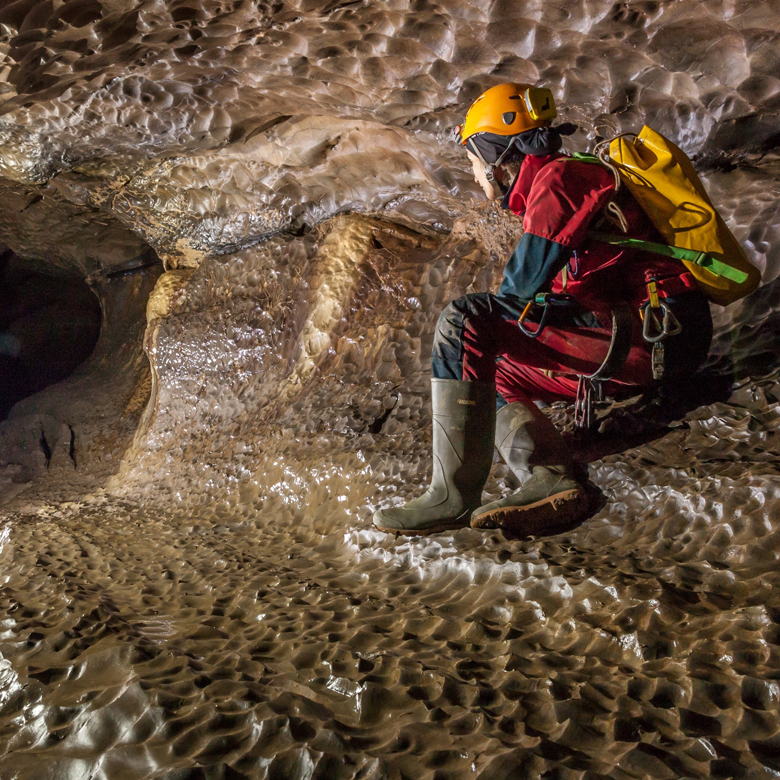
550,499
464,418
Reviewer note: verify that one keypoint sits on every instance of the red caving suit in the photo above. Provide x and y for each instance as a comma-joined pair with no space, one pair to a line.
561,199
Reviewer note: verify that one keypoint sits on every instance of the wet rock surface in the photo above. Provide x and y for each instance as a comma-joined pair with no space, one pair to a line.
265,201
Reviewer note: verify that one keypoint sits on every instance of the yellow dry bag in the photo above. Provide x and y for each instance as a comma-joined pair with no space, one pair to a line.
663,181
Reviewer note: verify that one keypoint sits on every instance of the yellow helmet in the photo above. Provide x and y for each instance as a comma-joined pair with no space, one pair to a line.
509,109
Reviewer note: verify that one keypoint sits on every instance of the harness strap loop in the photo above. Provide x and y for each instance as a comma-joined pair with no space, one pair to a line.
615,211
619,346
617,354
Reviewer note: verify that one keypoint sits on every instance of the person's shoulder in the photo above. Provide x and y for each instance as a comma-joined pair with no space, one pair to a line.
566,171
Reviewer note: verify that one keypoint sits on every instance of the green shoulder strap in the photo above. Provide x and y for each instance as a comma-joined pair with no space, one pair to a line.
712,264
585,157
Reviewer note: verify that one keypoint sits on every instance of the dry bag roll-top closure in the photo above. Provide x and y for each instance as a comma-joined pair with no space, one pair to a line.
662,179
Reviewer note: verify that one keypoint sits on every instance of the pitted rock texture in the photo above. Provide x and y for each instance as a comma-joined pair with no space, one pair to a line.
267,202
204,126
281,637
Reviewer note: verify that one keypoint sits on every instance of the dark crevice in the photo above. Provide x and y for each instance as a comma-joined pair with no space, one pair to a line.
131,270
45,448
377,425
35,199
727,149
242,135
72,449
338,7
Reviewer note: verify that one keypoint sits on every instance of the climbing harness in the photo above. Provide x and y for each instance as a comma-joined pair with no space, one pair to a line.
589,386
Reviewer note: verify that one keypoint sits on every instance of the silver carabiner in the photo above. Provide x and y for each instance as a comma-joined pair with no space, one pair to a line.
668,325
672,325
650,320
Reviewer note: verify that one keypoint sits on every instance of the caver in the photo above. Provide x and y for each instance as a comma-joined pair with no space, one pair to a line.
572,311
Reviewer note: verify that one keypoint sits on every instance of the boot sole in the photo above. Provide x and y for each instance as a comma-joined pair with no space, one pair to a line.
424,531
547,517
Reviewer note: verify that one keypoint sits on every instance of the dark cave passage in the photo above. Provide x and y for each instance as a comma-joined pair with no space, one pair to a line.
49,325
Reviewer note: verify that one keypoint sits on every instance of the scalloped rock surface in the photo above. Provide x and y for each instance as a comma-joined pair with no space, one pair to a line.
265,199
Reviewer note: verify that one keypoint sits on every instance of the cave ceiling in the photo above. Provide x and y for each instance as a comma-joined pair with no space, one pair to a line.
203,127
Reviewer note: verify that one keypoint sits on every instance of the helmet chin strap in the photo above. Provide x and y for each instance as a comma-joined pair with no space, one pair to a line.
506,151
474,149
490,168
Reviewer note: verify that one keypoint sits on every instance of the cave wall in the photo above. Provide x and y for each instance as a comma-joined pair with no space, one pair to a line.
205,127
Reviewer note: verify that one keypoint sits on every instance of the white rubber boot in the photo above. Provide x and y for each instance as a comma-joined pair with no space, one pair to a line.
464,415
550,499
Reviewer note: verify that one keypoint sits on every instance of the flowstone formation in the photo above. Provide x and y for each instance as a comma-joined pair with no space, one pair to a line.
266,205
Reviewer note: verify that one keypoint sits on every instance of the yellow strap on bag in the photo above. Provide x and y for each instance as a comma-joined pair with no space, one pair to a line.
662,179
